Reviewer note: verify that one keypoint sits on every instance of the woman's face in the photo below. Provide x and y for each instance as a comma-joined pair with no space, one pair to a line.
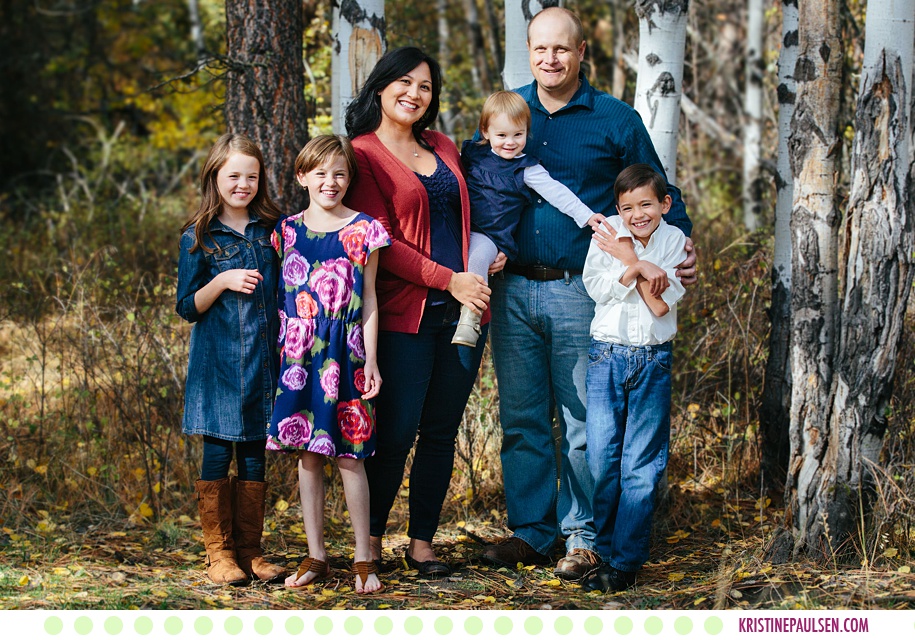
405,100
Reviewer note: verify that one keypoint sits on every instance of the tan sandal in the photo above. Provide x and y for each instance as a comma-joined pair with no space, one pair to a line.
318,567
363,569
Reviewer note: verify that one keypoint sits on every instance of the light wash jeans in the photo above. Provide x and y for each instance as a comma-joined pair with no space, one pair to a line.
628,437
540,340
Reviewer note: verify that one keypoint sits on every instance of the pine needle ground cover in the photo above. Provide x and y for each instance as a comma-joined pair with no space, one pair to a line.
96,506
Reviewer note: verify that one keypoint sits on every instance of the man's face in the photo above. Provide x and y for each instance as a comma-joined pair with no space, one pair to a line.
555,56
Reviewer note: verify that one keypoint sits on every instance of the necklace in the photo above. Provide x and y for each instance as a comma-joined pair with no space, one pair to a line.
415,155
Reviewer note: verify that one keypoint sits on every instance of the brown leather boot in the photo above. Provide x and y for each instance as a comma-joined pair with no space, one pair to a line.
247,527
214,500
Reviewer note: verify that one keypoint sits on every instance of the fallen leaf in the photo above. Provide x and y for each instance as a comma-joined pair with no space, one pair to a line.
676,576
890,553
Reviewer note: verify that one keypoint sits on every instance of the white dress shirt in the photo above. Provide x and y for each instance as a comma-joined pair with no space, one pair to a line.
620,315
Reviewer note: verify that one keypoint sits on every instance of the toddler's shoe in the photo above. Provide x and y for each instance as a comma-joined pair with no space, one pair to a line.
468,329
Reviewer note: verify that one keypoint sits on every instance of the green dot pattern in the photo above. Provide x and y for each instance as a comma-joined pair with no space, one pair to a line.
113,626
683,625
372,623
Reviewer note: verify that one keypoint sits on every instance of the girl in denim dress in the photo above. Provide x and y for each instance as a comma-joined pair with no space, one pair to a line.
227,273
328,338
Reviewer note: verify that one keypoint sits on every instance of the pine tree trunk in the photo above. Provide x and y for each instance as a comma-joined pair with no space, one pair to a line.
752,107
814,147
518,13
774,414
265,87
662,44
359,42
878,269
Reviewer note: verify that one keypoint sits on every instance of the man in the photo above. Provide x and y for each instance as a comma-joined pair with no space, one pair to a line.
541,310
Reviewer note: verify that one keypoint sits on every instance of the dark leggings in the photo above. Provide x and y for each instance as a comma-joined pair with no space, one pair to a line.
217,456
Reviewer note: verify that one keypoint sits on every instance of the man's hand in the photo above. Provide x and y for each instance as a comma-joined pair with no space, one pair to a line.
621,249
686,270
498,264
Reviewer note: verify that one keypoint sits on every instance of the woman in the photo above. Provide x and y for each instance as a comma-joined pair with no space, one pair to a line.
410,180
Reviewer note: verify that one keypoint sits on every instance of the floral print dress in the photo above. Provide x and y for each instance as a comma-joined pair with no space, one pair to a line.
322,355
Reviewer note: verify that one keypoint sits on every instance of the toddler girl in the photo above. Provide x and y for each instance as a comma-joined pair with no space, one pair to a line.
227,274
328,336
498,177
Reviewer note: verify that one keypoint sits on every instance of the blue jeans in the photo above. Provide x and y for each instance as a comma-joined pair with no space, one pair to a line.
250,457
427,381
628,436
540,339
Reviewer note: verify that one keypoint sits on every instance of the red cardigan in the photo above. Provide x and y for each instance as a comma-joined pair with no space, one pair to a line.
390,192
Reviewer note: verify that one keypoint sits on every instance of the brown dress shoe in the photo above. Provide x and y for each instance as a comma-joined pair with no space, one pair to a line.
510,552
577,564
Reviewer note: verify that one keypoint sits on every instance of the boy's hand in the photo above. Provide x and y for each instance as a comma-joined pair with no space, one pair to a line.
372,380
655,276
686,270
621,249
241,280
595,221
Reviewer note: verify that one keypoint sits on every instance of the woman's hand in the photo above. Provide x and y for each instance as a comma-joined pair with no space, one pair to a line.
240,280
469,289
686,270
372,380
498,264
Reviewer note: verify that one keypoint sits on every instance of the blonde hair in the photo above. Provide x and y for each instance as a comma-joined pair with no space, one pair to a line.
506,103
323,148
261,207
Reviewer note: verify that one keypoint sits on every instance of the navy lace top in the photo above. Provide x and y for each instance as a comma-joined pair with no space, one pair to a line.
445,223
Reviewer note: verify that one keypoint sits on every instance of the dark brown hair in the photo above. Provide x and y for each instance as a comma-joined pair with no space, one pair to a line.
640,175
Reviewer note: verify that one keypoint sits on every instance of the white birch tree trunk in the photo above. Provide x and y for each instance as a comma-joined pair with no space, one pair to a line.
878,269
662,43
813,145
752,108
518,13
359,41
776,399
193,10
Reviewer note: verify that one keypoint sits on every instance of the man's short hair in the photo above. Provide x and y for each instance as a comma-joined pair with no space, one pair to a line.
640,175
577,29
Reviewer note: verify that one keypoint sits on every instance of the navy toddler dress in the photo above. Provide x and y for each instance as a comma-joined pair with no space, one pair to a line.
498,194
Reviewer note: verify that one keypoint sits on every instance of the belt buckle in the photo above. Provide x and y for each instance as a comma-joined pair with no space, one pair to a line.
539,271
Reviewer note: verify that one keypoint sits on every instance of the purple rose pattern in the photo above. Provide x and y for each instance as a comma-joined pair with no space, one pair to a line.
300,337
295,269
355,343
295,430
323,445
330,379
376,237
294,378
289,237
333,282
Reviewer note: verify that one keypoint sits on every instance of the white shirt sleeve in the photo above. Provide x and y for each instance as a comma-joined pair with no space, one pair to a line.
557,194
673,252
601,276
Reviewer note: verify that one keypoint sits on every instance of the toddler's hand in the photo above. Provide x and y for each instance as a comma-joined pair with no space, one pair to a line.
372,381
656,277
498,264
241,280
595,221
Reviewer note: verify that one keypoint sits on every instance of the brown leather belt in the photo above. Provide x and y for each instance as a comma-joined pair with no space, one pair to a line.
536,272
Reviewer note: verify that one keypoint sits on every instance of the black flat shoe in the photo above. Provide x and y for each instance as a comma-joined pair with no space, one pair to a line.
429,568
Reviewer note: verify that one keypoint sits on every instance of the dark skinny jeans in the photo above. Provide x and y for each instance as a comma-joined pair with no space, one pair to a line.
217,456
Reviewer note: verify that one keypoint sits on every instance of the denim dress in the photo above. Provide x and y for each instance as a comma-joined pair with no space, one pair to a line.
233,364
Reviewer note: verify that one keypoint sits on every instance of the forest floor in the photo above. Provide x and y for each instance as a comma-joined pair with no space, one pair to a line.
708,553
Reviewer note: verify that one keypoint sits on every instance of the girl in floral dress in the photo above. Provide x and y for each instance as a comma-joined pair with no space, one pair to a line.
328,336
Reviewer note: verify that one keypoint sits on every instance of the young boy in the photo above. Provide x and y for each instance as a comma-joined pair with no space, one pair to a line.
628,381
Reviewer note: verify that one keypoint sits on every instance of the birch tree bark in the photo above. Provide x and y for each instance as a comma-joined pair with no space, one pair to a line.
774,415
193,10
878,269
752,108
813,146
359,41
518,13
480,68
662,43
265,87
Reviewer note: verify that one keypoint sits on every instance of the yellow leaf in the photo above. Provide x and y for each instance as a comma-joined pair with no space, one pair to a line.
24,581
384,605
328,592
145,510
61,571
42,469
461,525
717,265
91,471
699,600
139,473
716,522
117,534
511,582
675,577
489,599
904,569
494,513
673,540
157,487
159,593
692,407
281,505
554,583
890,553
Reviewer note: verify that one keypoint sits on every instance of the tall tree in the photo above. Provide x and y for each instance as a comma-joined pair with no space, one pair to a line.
359,41
518,13
482,79
774,414
662,43
752,109
265,86
878,267
814,145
